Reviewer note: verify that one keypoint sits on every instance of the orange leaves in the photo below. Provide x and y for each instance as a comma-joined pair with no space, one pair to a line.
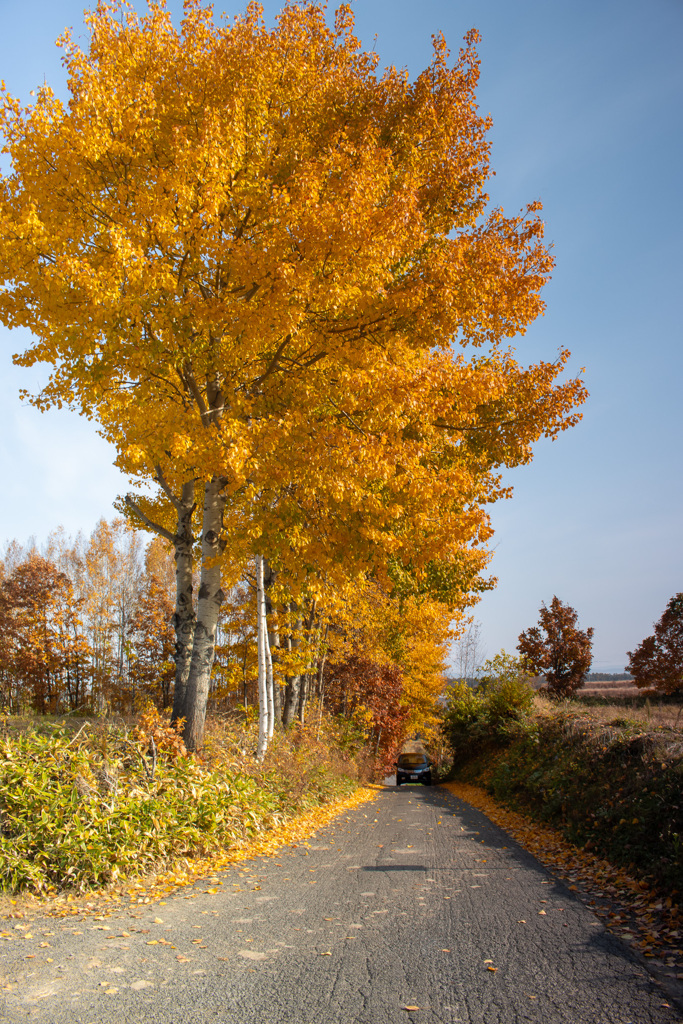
208,204
251,258
152,728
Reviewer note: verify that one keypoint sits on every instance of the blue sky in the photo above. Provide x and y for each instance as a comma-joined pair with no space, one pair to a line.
586,100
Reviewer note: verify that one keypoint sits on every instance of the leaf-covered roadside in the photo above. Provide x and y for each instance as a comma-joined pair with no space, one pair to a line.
80,811
614,787
610,786
628,906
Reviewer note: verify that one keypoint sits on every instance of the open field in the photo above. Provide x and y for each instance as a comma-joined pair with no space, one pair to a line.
641,710
607,687
626,701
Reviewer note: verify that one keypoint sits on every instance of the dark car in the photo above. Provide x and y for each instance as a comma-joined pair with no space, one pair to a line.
413,768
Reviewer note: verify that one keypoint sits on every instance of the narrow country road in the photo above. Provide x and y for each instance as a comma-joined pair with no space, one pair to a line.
412,900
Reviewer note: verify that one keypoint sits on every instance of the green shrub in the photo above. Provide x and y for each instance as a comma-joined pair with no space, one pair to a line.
616,788
506,691
80,812
491,712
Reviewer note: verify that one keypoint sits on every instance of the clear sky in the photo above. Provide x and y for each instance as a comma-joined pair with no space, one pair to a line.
587,102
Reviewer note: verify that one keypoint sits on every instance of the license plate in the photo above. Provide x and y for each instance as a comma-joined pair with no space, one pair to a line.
413,776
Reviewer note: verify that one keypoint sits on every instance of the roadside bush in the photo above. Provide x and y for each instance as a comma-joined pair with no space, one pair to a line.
506,691
617,789
80,811
492,712
614,786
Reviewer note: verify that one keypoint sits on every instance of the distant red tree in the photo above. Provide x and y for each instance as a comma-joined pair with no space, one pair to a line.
557,648
658,662
153,642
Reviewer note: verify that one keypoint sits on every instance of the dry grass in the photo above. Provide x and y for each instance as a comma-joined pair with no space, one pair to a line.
657,713
610,688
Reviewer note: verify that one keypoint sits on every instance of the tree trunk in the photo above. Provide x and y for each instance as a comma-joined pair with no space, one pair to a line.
306,680
303,696
291,701
321,665
293,683
261,647
184,618
209,602
270,700
270,642
274,646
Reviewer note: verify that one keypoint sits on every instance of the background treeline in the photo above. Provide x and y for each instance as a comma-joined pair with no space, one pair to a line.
87,626
605,677
86,622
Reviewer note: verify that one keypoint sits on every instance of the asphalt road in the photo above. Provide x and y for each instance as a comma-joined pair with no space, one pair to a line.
413,900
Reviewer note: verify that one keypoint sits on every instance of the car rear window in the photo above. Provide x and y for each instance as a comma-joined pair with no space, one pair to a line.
412,760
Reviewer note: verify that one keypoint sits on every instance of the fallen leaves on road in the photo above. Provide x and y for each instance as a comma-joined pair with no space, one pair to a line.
626,905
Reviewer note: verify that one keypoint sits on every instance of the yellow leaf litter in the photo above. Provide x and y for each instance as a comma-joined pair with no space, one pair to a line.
627,906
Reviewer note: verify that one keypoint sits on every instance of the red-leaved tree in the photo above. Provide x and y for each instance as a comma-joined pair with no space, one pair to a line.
557,648
657,663
370,693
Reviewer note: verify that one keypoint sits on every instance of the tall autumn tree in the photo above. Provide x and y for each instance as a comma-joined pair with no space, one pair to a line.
557,648
657,662
233,235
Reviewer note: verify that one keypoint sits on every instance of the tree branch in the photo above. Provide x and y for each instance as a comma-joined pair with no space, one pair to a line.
188,378
161,480
346,416
150,524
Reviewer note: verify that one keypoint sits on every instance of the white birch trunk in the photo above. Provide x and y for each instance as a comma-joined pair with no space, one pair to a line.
209,602
273,642
262,641
269,675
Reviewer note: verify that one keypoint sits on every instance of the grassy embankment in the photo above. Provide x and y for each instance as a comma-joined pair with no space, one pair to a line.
87,804
609,776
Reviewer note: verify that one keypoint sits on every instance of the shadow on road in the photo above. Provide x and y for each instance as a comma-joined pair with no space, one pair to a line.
393,867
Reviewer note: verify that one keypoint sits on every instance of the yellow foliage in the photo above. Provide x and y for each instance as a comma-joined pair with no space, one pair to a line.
257,262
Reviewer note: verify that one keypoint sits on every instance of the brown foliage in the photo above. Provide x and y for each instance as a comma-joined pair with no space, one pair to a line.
152,668
557,648
41,651
370,694
657,663
85,625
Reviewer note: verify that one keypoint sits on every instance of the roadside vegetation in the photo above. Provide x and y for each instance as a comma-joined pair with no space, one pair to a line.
610,777
87,803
